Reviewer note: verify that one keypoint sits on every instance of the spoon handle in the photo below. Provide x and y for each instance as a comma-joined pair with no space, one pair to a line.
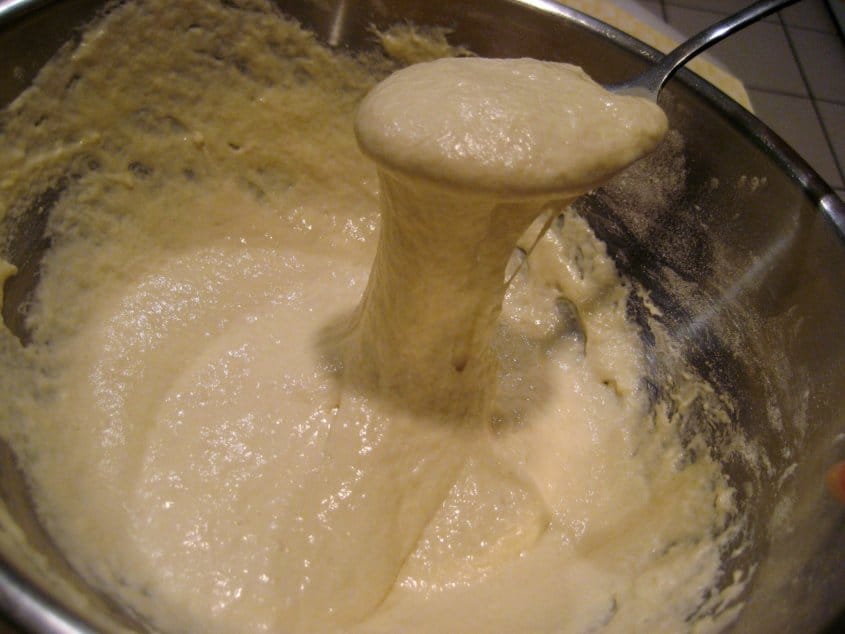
649,83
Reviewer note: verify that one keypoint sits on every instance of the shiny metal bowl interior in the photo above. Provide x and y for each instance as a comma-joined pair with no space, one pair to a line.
754,237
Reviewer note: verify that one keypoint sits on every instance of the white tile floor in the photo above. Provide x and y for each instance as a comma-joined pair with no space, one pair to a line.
793,64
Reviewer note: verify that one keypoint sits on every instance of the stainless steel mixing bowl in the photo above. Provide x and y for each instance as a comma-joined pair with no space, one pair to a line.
744,255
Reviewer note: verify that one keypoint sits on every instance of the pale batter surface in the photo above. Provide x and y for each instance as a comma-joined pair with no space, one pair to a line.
229,424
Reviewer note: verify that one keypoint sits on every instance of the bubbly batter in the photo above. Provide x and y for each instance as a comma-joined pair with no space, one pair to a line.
230,424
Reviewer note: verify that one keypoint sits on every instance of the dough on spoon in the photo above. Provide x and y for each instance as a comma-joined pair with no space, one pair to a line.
510,126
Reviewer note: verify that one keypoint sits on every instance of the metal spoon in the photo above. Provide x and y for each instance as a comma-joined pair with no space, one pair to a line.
648,84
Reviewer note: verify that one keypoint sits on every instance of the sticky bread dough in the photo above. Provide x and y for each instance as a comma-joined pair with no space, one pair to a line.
201,382
510,126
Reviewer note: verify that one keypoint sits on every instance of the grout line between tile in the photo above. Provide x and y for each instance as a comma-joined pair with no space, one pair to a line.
835,102
775,91
810,29
786,93
812,99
